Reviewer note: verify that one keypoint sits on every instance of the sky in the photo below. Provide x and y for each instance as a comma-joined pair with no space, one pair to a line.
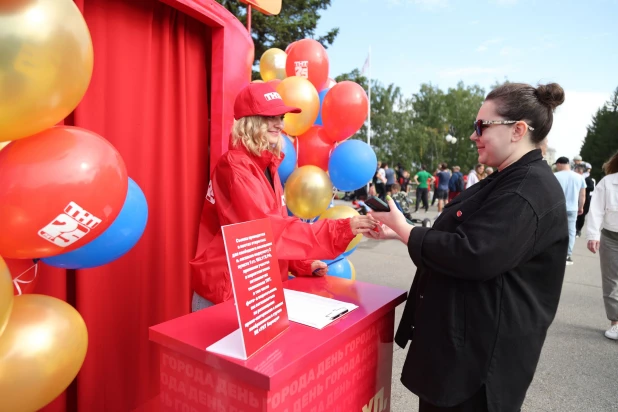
442,42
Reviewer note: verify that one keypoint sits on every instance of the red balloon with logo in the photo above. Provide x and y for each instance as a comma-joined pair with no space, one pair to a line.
59,189
308,58
24,273
314,148
344,110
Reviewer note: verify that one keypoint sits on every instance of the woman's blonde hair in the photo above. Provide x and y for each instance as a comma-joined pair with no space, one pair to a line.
251,132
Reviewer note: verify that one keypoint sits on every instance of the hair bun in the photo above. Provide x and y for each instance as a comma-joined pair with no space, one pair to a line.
550,95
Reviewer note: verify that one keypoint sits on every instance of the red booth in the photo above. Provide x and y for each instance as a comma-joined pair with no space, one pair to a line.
165,77
346,366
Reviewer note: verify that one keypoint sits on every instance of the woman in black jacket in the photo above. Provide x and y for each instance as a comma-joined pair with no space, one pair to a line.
490,270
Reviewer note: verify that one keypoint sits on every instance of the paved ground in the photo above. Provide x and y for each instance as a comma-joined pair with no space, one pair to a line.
578,370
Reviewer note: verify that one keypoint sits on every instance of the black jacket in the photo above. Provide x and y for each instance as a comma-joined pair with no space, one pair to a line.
487,288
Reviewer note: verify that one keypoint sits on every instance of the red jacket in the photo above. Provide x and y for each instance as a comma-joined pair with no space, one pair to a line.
238,192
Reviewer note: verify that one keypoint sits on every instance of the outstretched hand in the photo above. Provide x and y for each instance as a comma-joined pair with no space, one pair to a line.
391,219
363,224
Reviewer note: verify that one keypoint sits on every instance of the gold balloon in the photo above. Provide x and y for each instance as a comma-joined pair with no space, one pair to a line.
272,64
41,352
353,270
343,212
6,295
299,92
308,192
45,65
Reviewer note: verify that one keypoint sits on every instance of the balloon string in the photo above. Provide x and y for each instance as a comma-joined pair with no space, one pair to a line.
16,281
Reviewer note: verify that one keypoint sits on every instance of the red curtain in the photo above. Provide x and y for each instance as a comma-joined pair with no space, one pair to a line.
149,98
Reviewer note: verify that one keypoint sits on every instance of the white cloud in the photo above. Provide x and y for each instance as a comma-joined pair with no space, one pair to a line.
510,51
485,45
571,120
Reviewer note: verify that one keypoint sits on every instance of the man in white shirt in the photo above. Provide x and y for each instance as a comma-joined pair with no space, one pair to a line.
574,188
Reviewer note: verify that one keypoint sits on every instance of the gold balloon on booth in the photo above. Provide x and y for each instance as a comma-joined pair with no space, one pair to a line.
308,192
6,295
342,212
299,92
46,62
41,352
272,64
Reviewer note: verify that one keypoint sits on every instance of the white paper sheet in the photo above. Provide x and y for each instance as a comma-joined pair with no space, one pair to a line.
313,310
231,346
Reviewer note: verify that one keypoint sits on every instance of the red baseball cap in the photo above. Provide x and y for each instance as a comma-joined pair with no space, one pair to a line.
260,99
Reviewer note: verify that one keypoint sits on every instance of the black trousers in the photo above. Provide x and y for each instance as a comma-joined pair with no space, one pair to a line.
421,194
477,403
381,190
579,224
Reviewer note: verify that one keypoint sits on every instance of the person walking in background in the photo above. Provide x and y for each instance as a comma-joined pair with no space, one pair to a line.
390,177
602,235
475,175
574,188
581,169
456,183
443,178
381,181
422,179
404,181
488,171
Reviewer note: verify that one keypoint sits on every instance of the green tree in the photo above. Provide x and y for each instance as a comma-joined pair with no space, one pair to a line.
412,131
602,137
298,20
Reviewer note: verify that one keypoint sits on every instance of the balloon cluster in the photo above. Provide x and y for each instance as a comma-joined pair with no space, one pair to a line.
318,155
65,196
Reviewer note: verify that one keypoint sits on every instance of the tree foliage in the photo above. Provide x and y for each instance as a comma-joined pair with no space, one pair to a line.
601,140
411,130
298,20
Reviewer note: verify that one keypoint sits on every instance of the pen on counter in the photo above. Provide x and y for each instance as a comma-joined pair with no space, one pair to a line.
338,313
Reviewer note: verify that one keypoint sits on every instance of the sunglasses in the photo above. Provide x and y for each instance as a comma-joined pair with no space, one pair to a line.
479,125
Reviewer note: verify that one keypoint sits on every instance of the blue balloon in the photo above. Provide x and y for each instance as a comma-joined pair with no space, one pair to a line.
322,94
352,164
115,241
288,164
339,267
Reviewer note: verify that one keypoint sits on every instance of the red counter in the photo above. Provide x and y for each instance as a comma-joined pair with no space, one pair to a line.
344,367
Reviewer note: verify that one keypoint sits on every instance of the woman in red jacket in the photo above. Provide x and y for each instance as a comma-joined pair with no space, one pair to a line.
245,186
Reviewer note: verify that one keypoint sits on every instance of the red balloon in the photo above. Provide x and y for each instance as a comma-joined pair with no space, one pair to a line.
24,273
344,110
308,59
59,189
314,148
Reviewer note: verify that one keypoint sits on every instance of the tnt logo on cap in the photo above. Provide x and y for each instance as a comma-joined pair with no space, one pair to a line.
260,99
272,96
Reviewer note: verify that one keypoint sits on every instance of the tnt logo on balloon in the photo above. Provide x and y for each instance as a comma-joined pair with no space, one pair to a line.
69,226
301,68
